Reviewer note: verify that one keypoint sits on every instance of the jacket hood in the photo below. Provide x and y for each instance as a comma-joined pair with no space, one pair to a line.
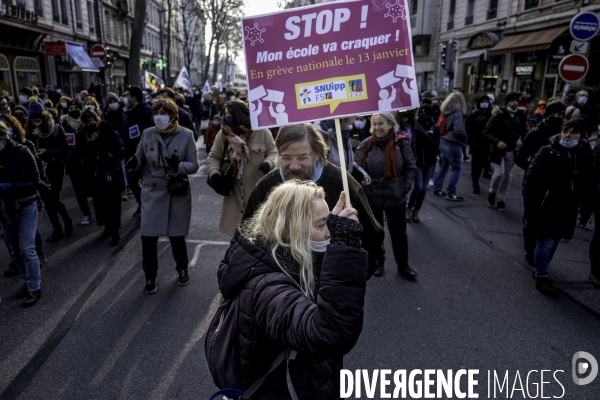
483,98
243,262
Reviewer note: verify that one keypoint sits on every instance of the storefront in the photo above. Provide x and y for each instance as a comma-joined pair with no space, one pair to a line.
534,59
480,71
71,68
21,61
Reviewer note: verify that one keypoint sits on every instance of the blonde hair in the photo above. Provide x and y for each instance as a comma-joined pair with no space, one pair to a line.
455,102
285,221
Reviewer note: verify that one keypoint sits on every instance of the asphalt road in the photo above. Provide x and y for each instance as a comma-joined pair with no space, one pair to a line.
96,335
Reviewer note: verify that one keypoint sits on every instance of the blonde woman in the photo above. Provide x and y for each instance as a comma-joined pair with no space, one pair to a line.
301,275
454,109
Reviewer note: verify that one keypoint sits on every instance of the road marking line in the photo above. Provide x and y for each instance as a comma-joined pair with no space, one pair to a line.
165,383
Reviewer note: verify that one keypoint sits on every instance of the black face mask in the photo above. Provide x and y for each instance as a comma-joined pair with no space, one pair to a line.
75,114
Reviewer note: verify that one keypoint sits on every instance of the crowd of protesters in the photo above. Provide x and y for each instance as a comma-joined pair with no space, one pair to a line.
291,259
139,144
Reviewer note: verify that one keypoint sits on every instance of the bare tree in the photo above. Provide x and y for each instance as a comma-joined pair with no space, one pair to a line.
229,38
193,31
219,13
287,4
135,47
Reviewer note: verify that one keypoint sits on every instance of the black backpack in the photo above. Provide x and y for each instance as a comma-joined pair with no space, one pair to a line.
222,353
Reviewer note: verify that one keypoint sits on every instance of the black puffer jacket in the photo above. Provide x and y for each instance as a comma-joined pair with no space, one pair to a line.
501,127
533,142
475,125
597,179
427,140
275,314
558,185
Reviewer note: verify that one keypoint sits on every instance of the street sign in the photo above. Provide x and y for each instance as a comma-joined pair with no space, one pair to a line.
56,49
573,67
584,26
98,51
578,47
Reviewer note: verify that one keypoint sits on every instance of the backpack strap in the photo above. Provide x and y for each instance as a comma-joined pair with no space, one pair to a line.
56,128
285,354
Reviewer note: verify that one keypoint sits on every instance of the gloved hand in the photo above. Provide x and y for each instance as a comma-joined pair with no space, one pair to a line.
173,162
220,184
131,165
264,167
5,188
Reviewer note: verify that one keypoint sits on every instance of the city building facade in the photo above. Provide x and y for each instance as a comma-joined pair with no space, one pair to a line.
498,46
48,42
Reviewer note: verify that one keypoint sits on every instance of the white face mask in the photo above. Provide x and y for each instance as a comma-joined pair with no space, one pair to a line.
360,124
114,106
512,110
46,101
57,90
23,99
319,247
231,97
125,101
484,105
162,122
36,123
90,107
63,104
568,144
582,100
10,130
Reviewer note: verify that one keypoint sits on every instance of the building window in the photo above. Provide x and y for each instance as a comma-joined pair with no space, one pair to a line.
5,75
38,7
27,71
90,12
59,12
492,9
78,15
414,7
451,14
106,25
529,4
470,12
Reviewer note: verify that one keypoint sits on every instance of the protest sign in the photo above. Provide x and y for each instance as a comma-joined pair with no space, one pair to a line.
328,61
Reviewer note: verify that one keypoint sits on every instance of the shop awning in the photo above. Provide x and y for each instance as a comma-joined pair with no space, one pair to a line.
81,58
530,41
474,54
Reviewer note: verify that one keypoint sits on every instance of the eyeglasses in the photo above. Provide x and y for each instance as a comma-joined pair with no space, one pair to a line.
289,159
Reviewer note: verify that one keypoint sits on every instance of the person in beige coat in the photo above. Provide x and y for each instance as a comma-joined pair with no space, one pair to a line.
164,151
252,153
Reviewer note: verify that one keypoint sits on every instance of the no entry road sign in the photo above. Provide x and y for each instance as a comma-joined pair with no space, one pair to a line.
573,67
98,51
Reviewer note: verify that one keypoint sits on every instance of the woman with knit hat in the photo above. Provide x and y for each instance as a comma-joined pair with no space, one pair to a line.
72,125
51,144
166,152
388,159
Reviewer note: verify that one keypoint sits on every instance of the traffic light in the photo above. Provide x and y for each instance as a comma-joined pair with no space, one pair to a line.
443,55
